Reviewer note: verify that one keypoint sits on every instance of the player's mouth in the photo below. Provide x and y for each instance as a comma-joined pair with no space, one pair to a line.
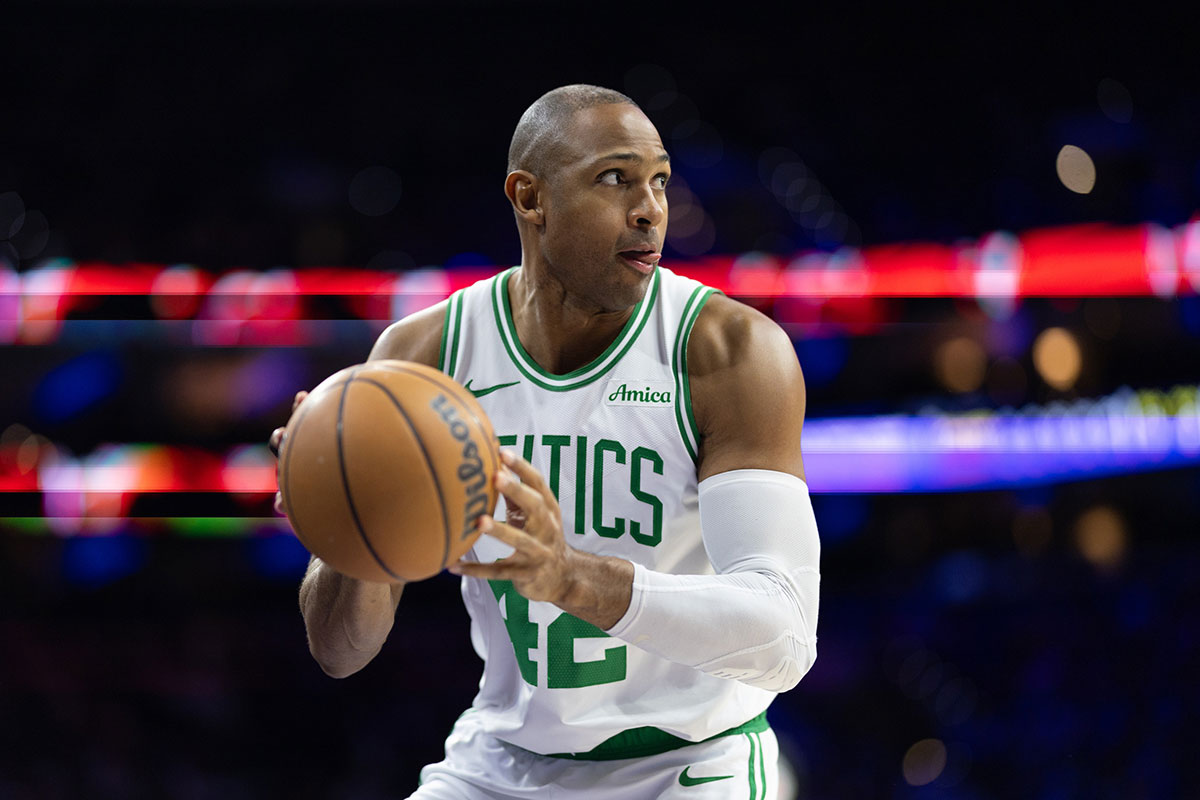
644,261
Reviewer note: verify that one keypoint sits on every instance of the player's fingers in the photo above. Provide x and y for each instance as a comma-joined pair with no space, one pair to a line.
279,503
276,440
523,496
497,570
298,399
513,537
528,475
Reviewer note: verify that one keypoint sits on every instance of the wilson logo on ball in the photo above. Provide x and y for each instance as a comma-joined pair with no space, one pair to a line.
470,472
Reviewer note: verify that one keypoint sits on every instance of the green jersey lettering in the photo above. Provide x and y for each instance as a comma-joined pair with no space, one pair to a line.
581,454
556,444
563,671
514,607
617,529
635,485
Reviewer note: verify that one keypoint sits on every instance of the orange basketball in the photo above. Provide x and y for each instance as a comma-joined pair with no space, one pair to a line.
385,469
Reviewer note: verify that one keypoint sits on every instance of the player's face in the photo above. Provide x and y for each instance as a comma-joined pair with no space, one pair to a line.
606,208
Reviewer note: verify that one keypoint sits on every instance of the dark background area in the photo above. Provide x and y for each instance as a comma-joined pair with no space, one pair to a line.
262,134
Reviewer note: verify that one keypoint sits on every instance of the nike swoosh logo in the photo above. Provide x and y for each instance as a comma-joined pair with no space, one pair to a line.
687,780
488,390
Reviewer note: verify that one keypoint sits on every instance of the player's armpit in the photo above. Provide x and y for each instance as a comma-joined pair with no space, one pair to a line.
747,391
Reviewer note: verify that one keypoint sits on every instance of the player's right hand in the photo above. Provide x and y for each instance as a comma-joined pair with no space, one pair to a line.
275,442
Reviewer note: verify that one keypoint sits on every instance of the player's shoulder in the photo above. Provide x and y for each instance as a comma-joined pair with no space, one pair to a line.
417,337
729,333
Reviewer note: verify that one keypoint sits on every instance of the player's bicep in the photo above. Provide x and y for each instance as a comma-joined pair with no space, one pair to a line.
747,393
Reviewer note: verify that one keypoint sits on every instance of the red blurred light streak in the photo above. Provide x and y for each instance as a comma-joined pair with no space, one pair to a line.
1076,261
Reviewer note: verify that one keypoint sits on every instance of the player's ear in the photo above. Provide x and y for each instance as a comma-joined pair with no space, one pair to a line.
524,192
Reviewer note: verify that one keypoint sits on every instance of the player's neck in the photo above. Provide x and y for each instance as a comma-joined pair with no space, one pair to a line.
561,332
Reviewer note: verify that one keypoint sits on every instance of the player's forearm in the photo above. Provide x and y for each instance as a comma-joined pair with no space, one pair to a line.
756,621
600,588
347,620
749,626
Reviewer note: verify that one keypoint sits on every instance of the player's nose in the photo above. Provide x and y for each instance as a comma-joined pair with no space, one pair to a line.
648,211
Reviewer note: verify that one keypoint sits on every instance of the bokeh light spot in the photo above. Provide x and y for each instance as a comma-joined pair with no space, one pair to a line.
1076,169
175,293
924,762
1101,537
1058,358
960,364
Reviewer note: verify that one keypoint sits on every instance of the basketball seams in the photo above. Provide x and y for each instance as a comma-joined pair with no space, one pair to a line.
346,479
287,462
448,384
433,473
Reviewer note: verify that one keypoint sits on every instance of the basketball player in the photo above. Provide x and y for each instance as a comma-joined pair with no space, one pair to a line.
650,580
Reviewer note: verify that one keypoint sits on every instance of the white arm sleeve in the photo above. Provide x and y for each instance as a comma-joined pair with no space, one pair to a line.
756,620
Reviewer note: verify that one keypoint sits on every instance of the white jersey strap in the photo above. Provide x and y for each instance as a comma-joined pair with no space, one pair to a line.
683,391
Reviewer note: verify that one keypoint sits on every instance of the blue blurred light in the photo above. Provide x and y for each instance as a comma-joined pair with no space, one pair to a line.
469,260
267,380
278,555
77,385
1012,336
840,516
1035,496
1135,608
822,358
1189,312
99,560
960,577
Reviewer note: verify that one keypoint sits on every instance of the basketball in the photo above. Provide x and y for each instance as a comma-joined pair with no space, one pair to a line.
385,468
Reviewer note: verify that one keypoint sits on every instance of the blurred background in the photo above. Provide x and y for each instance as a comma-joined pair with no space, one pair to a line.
980,228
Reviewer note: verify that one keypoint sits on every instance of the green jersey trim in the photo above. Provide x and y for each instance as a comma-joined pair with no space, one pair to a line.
688,429
589,373
650,741
451,330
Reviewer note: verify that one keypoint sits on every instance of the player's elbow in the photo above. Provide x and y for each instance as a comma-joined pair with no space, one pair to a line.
776,665
789,650
336,669
336,662
793,663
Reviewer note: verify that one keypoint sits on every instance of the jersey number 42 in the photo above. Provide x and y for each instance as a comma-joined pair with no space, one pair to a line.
562,670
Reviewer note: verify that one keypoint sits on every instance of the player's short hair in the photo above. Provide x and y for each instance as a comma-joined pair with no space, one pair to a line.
537,143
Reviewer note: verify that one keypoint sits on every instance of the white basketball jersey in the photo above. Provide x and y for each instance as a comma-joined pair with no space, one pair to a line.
617,443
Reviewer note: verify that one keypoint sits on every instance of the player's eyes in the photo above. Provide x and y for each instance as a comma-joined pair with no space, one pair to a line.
614,178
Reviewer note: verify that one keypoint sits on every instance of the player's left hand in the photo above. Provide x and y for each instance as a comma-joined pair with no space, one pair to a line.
540,567
275,442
